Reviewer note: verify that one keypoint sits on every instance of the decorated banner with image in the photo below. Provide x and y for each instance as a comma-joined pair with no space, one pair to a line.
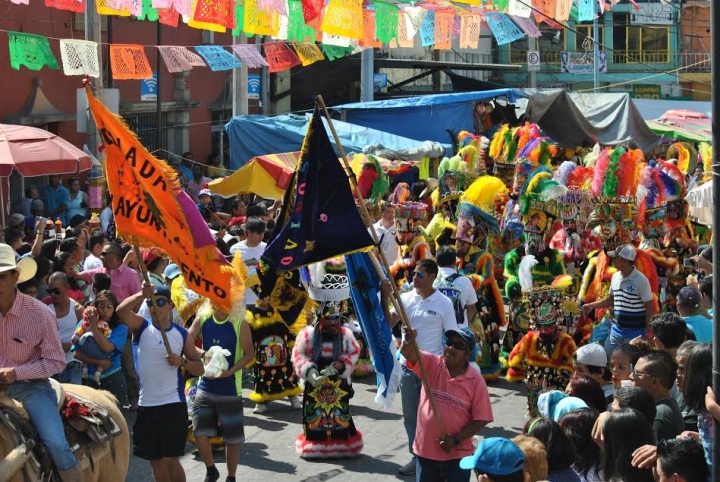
151,209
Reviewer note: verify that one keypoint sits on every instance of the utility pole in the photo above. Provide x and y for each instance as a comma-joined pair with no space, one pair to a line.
596,49
532,74
367,71
240,87
715,90
93,33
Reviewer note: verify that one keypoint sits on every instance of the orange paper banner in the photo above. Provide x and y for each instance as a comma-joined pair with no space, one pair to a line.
443,29
151,209
129,62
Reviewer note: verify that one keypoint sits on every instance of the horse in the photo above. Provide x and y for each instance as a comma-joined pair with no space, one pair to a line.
100,466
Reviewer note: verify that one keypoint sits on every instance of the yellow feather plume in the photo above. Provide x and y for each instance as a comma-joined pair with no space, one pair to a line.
498,142
483,191
706,154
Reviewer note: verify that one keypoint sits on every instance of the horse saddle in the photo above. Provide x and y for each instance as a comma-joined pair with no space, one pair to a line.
87,425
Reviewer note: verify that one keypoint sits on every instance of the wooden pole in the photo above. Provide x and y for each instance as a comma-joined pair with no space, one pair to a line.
397,303
144,271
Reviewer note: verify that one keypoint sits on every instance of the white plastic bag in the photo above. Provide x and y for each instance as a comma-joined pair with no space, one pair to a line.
218,362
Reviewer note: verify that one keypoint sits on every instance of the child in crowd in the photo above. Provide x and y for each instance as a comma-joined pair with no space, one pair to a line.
84,341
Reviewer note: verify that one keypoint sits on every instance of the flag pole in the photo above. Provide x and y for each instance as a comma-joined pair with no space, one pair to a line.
397,303
144,271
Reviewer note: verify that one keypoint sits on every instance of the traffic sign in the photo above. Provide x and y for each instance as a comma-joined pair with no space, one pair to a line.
533,61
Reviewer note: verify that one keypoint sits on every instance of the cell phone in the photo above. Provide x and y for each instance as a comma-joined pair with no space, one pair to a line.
688,263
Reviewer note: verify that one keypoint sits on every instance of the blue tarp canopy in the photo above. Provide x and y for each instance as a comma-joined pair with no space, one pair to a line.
425,117
257,135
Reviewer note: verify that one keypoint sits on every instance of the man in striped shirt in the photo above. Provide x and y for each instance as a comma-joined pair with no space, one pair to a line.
630,297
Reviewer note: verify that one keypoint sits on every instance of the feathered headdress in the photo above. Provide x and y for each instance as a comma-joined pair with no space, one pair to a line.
372,180
685,154
705,154
617,173
498,142
477,207
401,194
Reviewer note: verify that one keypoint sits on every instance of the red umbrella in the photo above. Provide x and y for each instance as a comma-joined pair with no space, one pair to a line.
36,152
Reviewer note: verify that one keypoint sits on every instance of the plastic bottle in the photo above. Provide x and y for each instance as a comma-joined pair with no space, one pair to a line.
50,229
663,298
58,230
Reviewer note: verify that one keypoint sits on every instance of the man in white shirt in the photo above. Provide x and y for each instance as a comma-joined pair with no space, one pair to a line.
160,431
386,232
449,282
431,314
251,249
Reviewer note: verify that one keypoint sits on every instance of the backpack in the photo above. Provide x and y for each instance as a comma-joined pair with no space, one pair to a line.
449,288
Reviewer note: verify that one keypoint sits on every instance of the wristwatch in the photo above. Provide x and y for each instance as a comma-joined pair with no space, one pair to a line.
184,362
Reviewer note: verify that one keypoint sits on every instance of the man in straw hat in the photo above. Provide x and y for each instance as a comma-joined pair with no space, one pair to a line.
30,353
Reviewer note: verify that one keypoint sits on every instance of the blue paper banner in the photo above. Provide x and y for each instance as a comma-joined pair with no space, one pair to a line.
217,58
427,30
586,10
503,29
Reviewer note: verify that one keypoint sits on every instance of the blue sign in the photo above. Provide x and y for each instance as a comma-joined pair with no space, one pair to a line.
253,81
380,82
149,88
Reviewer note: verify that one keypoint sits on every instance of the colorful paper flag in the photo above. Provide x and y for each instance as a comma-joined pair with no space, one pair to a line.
427,30
279,56
528,26
586,10
80,57
386,19
77,6
249,54
32,51
319,218
369,39
519,8
128,62
217,57
333,52
179,59
307,52
443,29
344,18
562,10
502,28
469,30
151,209
297,28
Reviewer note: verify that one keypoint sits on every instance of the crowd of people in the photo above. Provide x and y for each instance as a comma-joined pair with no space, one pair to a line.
598,300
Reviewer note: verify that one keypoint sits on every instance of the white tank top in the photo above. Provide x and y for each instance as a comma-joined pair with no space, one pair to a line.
66,326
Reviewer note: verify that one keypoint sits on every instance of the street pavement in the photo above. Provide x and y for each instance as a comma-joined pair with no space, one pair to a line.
268,453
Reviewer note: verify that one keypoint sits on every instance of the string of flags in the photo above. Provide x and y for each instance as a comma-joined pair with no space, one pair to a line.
341,27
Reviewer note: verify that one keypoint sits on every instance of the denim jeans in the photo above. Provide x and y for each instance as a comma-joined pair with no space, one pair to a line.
115,384
71,374
40,402
614,340
89,346
440,471
410,387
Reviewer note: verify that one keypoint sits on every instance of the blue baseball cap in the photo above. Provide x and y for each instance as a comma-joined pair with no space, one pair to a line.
495,456
171,271
161,290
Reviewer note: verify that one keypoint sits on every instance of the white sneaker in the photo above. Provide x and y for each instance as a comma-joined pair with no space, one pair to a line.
295,403
260,408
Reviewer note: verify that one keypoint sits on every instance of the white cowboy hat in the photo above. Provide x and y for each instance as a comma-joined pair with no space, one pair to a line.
25,266
430,185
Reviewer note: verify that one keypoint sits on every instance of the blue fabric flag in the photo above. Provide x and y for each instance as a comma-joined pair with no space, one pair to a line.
364,290
319,219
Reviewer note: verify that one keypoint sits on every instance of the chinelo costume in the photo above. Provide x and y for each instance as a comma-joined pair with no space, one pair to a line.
543,356
538,216
412,246
661,183
324,356
453,180
476,224
281,311
615,217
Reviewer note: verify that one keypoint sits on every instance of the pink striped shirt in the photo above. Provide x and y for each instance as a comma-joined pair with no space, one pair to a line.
30,340
124,281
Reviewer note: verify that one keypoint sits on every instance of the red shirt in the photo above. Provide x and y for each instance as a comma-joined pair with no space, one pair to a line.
459,401
30,340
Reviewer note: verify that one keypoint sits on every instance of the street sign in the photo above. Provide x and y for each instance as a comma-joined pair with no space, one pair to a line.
149,88
533,61
253,86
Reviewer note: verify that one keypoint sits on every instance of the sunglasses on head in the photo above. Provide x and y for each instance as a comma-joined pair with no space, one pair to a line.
160,302
458,345
53,291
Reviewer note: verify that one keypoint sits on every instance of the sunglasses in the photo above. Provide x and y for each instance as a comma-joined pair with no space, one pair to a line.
53,291
458,345
107,253
419,274
159,302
